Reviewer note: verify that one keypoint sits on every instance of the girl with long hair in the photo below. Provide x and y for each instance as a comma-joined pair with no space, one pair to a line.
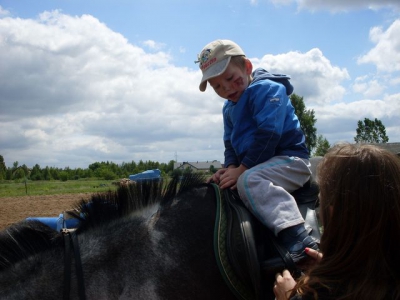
360,214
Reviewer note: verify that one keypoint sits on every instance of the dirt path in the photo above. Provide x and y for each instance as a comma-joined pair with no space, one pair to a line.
15,209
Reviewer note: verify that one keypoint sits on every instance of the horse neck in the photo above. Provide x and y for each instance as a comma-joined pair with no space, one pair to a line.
39,273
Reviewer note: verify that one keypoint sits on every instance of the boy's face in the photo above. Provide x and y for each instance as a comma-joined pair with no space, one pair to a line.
231,84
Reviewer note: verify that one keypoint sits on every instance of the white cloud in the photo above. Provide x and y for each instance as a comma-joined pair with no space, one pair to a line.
71,84
386,53
369,89
3,12
395,81
313,76
340,5
153,45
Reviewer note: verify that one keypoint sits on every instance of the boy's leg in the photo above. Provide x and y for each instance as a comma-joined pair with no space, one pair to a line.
265,189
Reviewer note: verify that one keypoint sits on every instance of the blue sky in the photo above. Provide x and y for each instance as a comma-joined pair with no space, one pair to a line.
91,81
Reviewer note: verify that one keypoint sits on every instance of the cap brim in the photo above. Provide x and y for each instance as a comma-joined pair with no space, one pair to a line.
214,71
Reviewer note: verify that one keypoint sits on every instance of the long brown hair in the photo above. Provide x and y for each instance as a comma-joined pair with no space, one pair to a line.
360,207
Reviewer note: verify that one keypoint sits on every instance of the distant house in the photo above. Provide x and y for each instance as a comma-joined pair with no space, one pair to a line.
392,147
199,166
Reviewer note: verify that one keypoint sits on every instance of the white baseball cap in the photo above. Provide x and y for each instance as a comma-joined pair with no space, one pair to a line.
214,59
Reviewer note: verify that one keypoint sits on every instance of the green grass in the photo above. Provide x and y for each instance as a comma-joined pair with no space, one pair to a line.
54,187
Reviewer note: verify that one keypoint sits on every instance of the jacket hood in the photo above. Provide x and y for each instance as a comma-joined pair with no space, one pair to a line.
261,74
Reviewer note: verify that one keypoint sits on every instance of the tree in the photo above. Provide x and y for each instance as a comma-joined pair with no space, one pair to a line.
46,174
64,176
322,146
307,121
187,171
19,172
176,173
170,166
213,170
371,131
36,173
3,168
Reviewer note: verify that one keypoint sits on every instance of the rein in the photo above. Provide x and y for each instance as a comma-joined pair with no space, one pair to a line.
71,239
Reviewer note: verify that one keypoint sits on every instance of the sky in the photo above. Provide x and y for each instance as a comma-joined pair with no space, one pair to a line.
92,81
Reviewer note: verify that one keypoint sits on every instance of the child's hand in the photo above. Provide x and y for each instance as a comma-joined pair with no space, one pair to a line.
230,176
216,176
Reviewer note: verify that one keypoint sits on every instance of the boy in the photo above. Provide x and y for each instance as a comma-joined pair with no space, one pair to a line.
265,153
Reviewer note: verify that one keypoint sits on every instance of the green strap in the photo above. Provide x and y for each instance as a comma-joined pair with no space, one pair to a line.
220,232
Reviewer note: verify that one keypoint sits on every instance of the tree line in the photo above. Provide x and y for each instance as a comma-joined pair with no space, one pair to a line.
104,170
368,131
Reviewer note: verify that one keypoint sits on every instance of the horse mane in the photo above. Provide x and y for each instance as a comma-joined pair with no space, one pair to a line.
24,239
105,207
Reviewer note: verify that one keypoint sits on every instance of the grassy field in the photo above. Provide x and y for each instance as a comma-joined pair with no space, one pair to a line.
54,187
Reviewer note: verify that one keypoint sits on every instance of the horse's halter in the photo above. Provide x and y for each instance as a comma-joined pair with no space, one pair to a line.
70,238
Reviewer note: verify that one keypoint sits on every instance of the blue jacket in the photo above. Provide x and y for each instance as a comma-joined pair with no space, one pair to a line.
263,123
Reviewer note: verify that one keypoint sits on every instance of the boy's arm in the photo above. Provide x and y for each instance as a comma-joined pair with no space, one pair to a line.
262,149
230,155
269,111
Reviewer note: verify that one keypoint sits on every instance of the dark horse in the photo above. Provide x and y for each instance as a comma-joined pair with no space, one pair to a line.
144,241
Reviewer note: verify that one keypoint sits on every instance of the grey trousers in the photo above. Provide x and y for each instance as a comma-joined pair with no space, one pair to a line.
265,190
